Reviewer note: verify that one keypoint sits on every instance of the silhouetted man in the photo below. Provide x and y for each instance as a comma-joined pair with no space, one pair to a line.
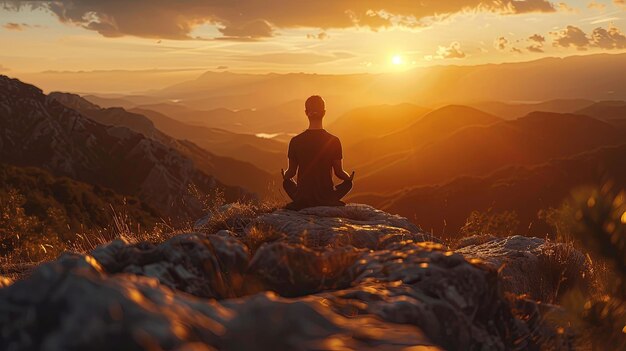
314,154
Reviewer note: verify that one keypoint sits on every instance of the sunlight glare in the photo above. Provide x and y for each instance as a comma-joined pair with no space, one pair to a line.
397,60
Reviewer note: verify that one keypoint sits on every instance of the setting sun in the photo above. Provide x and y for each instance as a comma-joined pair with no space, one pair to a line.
397,60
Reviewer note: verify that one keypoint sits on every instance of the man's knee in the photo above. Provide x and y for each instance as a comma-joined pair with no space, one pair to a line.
290,187
343,189
346,184
289,184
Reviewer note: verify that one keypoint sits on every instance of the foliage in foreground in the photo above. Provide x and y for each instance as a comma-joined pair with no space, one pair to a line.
599,223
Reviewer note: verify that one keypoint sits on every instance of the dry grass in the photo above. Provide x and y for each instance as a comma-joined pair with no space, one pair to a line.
25,241
564,269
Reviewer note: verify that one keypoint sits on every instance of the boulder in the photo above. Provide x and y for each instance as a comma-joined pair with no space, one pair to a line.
541,269
357,225
210,266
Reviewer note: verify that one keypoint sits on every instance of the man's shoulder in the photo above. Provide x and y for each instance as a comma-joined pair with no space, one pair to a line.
306,134
297,137
333,137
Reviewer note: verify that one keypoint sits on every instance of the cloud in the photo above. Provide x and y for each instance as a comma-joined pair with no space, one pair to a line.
307,58
527,6
604,20
501,43
537,38
537,42
453,51
3,69
319,36
252,30
571,36
596,5
566,8
252,19
608,39
18,27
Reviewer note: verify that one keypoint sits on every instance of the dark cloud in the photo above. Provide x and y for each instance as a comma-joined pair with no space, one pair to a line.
571,36
536,43
531,6
453,51
252,19
608,39
253,30
537,38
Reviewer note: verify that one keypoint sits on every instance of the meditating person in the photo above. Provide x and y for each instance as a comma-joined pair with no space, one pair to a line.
314,155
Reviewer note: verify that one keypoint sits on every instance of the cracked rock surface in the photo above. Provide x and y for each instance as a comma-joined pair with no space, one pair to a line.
348,278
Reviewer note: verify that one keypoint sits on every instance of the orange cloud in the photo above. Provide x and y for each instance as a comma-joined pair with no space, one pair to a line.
608,39
18,27
453,51
501,43
319,36
596,5
571,36
250,19
536,43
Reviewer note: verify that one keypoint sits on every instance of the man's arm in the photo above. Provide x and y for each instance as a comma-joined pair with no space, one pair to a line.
291,170
340,173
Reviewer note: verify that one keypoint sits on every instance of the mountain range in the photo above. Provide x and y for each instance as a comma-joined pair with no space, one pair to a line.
523,189
482,149
227,170
37,130
273,103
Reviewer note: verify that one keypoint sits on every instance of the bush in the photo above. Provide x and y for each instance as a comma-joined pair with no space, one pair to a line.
599,223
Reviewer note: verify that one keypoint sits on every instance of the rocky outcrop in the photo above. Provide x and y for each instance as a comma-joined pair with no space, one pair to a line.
361,226
388,287
541,269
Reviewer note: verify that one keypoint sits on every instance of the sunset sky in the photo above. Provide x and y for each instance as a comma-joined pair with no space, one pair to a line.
299,36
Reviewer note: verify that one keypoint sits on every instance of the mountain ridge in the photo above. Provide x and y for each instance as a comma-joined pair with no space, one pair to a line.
39,131
229,171
523,189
